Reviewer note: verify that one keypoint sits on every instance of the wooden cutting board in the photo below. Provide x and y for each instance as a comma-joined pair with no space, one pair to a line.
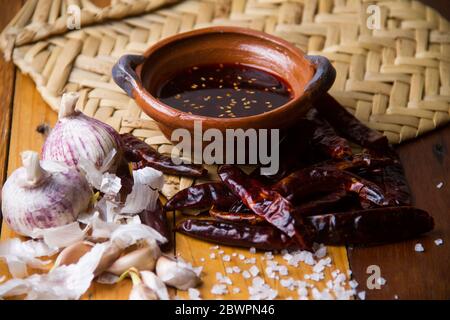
409,274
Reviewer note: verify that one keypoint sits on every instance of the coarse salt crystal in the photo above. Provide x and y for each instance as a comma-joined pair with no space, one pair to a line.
302,292
250,261
316,276
353,284
194,294
321,252
226,258
440,185
221,252
246,274
236,290
252,250
419,247
223,279
438,242
396,297
229,270
234,254
362,295
212,256
236,269
381,281
287,282
214,247
219,289
202,259
241,257
254,271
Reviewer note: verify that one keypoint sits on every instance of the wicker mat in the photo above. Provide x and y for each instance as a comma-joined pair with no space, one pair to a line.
395,79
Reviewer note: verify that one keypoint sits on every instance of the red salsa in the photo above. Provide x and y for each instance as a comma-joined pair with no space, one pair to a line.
224,90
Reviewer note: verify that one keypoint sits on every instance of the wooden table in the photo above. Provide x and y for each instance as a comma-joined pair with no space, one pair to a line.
409,274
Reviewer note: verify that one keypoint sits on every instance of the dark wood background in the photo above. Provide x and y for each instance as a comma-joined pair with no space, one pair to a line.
409,274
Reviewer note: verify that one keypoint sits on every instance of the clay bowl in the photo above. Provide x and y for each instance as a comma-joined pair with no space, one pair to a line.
140,76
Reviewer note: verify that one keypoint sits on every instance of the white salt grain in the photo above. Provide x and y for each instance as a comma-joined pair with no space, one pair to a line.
236,269
241,257
438,242
252,250
229,270
381,281
236,290
362,295
419,247
353,284
254,271
212,256
226,258
223,279
246,274
440,185
194,294
219,289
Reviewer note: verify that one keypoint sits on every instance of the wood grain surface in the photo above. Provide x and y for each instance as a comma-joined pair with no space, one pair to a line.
409,274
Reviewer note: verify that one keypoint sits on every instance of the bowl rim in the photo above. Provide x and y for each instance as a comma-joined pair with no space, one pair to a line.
152,102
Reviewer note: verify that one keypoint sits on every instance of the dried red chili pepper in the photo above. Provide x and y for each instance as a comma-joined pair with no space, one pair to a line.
157,219
264,237
202,197
326,140
142,155
370,226
364,227
266,203
235,216
348,126
338,200
324,178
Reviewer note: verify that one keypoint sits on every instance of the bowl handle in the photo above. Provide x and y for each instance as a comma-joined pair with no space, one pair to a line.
124,73
323,78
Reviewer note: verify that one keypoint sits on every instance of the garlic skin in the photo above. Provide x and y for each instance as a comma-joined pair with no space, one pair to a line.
176,274
42,195
76,136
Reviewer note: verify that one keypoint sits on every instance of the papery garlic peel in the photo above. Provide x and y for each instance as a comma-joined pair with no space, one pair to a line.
42,195
76,136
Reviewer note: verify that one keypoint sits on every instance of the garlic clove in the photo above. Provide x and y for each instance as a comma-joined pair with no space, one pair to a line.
152,281
176,274
111,254
140,259
73,253
141,292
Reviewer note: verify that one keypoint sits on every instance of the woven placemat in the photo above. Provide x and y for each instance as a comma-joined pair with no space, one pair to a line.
395,79
39,19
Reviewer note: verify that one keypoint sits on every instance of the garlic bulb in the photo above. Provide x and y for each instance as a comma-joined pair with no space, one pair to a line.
77,136
42,195
177,273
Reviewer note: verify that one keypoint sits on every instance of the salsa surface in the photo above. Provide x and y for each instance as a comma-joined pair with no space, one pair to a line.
224,90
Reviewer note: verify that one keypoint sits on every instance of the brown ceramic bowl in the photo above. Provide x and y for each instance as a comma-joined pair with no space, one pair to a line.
308,76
